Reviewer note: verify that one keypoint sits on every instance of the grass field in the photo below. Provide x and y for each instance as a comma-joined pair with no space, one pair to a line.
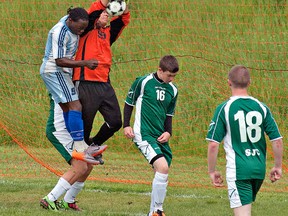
208,37
20,195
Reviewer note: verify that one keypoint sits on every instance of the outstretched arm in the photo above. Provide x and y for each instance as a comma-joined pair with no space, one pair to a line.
104,2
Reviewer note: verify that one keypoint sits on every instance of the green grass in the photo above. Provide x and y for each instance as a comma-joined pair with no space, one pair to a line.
21,197
208,37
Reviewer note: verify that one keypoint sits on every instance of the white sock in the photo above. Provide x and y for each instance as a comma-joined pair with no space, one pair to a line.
80,146
61,187
159,189
73,191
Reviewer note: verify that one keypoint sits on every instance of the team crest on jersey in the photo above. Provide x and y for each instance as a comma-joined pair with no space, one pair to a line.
130,94
101,34
211,125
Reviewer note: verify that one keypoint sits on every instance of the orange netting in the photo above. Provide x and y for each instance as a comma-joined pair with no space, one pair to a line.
207,38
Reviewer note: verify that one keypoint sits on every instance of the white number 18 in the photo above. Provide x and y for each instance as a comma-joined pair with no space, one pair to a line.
252,126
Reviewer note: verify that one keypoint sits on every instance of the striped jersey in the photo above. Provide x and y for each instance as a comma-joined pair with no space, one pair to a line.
154,100
61,42
242,122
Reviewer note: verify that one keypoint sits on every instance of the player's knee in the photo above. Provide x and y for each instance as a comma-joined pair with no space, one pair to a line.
115,125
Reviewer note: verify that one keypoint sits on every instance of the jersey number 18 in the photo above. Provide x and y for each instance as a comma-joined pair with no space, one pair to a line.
252,120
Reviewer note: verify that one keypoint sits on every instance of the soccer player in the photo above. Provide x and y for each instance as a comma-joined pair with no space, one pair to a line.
72,181
155,97
95,90
242,121
56,72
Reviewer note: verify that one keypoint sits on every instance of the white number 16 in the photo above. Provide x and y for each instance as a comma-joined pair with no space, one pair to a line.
160,95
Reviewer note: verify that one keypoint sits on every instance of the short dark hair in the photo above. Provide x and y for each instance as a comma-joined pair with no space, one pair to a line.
169,63
77,13
239,76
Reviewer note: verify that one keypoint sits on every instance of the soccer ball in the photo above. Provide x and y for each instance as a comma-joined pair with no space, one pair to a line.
116,7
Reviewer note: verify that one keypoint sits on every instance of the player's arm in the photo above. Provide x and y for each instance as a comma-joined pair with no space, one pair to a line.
70,63
130,101
118,24
271,129
104,2
94,12
128,131
276,171
168,130
212,155
59,53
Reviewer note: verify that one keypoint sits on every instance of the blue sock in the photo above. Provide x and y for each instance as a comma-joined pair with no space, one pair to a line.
75,124
65,114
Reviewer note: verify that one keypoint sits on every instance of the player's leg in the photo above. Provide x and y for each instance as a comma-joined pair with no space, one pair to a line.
244,210
111,113
69,202
159,185
241,196
160,158
64,93
249,196
160,181
60,138
90,99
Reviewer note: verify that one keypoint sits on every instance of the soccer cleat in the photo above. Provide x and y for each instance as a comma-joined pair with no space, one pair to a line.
99,158
95,150
89,154
83,156
47,204
158,213
66,206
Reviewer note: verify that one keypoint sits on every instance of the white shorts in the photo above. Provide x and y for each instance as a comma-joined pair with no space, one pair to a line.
60,86
233,195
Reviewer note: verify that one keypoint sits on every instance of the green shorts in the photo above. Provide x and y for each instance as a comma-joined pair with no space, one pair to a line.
243,192
153,150
57,133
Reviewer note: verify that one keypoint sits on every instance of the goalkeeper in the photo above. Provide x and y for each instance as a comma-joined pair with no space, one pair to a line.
96,92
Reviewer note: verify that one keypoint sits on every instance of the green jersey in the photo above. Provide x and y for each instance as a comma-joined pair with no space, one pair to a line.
242,123
154,100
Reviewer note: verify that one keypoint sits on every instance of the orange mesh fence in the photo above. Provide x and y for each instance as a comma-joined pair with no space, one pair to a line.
207,38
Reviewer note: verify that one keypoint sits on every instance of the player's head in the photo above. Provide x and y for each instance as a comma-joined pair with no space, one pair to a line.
168,68
239,77
78,19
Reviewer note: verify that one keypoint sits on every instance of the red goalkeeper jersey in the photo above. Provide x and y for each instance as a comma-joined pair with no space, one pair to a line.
96,44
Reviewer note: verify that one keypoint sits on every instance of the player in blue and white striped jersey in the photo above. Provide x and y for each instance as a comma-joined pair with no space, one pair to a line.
65,126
